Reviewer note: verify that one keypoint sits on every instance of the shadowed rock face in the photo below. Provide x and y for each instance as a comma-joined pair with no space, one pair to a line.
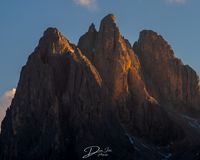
97,93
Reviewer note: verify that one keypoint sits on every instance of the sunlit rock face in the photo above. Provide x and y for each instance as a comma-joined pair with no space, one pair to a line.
120,70
112,57
96,93
167,79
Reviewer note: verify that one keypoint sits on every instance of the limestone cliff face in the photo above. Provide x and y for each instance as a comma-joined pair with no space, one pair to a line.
60,107
113,58
166,77
120,70
100,92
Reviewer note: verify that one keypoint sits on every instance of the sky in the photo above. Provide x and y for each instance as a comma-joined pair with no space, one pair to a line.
23,22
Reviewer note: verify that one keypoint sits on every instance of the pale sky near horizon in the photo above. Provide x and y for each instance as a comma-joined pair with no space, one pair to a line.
22,23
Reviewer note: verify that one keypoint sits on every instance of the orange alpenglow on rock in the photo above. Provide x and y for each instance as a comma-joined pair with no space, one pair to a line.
139,101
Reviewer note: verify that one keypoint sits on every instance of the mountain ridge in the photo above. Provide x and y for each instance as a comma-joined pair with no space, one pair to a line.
103,92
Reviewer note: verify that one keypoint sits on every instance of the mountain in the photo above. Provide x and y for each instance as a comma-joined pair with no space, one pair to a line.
128,102
166,77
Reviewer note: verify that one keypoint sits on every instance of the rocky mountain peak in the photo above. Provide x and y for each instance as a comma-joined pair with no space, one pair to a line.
148,33
52,33
160,66
53,42
109,19
92,28
112,56
108,30
151,38
105,93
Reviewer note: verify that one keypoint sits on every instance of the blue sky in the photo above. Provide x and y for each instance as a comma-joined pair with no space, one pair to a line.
22,23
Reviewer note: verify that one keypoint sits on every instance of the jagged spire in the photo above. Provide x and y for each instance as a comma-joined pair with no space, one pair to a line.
53,42
110,18
92,28
108,23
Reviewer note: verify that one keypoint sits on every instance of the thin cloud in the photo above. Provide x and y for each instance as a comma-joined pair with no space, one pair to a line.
90,4
5,101
177,1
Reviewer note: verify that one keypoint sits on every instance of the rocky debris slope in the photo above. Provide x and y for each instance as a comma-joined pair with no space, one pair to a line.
100,93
